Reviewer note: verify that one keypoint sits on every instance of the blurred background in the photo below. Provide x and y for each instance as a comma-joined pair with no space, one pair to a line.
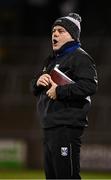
25,40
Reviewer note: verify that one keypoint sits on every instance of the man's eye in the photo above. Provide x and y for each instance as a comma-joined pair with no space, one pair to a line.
61,31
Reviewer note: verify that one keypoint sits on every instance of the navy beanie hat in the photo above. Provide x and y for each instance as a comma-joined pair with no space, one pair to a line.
71,23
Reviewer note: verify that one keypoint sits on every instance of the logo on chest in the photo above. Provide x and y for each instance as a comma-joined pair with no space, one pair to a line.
64,151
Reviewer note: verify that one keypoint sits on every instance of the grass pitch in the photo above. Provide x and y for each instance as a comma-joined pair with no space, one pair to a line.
32,174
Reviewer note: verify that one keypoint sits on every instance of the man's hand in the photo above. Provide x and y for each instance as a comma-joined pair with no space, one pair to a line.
52,91
44,80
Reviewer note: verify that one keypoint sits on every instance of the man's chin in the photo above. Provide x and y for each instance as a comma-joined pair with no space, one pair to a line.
56,48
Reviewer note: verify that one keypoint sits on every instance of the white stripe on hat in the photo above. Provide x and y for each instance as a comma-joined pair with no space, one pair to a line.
76,22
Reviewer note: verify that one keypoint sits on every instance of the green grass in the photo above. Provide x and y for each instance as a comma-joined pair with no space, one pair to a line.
32,174
21,174
96,175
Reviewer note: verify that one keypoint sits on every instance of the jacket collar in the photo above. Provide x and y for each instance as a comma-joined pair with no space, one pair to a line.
67,48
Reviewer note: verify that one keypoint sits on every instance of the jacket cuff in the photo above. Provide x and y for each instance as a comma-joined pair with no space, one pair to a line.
61,92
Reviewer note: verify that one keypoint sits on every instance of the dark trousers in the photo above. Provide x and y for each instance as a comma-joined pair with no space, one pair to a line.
62,152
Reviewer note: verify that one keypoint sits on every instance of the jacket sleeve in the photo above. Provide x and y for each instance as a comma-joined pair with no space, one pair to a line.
36,90
85,76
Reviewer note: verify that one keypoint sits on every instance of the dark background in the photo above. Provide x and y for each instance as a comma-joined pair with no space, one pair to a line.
25,34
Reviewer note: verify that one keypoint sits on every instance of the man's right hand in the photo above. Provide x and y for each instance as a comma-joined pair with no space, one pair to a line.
44,80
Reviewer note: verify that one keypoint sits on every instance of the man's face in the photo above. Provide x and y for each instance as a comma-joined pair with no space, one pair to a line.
60,36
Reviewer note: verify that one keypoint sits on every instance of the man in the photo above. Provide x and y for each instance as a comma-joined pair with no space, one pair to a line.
64,108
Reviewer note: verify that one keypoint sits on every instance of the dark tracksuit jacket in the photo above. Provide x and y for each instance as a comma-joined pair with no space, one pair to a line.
73,100
64,118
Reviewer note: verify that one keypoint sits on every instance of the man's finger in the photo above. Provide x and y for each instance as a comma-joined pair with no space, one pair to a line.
52,82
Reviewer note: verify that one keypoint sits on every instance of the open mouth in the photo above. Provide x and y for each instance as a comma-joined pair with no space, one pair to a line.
55,41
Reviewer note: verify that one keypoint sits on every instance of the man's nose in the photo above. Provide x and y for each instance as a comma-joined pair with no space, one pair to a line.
56,33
